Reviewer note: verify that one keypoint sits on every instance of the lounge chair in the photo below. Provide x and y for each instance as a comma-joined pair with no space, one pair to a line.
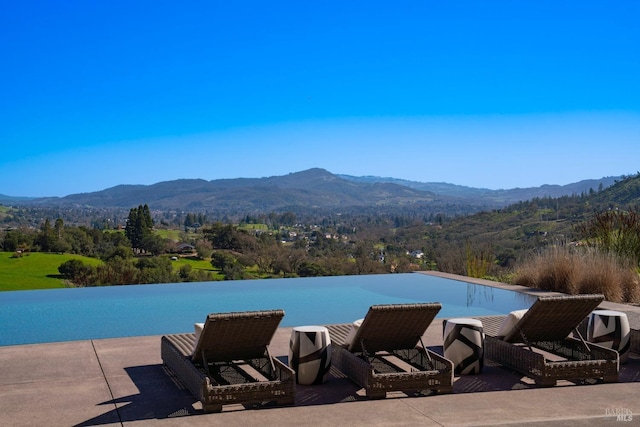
230,362
384,354
538,345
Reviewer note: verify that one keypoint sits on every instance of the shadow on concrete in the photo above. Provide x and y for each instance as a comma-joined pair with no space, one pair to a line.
160,396
630,371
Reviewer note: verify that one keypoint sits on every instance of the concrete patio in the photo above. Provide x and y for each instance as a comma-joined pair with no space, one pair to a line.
123,382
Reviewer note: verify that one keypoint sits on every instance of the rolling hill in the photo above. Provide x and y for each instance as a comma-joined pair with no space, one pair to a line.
501,197
314,188
311,189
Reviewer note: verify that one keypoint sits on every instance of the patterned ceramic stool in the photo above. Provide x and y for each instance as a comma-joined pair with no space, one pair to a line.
464,345
310,354
610,329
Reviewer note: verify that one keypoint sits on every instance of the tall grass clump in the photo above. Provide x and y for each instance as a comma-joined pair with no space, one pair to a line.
614,231
478,262
631,287
552,270
580,271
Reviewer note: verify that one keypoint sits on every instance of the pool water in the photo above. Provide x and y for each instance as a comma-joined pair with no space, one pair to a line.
123,311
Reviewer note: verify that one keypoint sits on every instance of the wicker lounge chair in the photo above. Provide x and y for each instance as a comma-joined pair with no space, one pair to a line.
539,345
230,362
384,354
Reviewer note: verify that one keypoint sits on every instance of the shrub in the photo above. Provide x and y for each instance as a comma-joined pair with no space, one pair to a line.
580,270
601,273
614,231
478,262
631,286
77,272
557,272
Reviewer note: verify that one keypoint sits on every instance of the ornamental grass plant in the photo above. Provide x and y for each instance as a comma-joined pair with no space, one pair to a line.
579,270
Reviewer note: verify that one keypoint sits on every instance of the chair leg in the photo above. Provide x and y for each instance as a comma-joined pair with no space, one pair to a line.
288,401
444,390
212,408
376,394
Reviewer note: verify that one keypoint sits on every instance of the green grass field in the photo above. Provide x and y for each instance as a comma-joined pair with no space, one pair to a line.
196,264
171,234
38,270
253,227
35,270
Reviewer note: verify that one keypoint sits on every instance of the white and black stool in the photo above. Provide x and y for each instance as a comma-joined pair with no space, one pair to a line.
464,345
310,354
610,329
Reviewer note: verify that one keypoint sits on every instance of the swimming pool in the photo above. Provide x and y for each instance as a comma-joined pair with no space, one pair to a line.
122,311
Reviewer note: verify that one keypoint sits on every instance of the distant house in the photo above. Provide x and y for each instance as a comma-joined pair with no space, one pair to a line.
417,254
185,248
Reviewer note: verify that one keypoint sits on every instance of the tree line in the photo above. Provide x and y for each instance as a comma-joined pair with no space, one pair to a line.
487,244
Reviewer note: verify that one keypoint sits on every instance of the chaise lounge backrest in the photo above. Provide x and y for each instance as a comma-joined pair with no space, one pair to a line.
394,326
553,318
237,335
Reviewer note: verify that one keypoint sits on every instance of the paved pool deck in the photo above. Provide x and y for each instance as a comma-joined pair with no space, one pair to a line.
122,382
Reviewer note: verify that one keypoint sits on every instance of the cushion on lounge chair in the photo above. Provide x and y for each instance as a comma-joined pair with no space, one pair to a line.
352,331
510,322
197,328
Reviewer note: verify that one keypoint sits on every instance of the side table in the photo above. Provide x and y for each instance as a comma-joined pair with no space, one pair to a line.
610,329
310,354
464,345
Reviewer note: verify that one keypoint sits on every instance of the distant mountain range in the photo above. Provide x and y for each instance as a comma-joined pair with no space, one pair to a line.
313,188
500,197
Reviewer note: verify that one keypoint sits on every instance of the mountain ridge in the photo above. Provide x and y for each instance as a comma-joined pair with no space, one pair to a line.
515,194
311,188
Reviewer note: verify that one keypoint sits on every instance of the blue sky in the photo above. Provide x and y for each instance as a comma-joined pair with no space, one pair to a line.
494,94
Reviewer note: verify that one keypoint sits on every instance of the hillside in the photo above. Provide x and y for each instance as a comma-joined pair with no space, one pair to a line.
501,197
10,200
523,228
314,188
311,189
